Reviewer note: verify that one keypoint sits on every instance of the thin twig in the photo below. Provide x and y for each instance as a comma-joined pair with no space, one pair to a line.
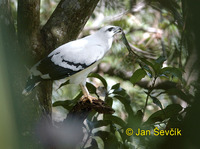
147,98
89,134
148,94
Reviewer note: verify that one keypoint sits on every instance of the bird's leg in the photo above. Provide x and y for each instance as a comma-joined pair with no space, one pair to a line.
86,95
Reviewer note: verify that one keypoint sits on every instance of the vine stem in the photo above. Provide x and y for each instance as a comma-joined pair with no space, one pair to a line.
148,94
145,106
89,134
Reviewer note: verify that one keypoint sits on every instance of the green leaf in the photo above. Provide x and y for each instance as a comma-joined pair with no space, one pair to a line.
147,63
113,127
109,139
159,63
118,136
68,104
137,76
169,111
120,91
101,123
172,71
94,144
91,116
91,88
149,71
95,75
116,86
109,101
116,89
160,60
137,119
115,120
126,102
156,101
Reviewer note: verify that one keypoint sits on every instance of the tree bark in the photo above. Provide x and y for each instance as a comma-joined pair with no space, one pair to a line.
25,111
28,25
68,20
31,46
64,25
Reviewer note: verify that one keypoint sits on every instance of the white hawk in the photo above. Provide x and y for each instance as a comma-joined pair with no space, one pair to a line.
73,60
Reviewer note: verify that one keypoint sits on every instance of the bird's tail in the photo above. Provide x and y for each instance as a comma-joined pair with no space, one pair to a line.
31,83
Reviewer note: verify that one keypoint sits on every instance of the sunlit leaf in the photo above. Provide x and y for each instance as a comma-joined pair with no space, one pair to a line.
118,136
68,104
137,76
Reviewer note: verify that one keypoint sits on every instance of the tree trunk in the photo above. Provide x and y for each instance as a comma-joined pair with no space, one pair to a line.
30,45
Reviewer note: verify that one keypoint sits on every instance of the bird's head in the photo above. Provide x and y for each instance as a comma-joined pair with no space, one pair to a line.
110,31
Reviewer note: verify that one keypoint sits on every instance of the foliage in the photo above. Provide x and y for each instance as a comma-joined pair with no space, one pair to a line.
114,133
147,87
133,108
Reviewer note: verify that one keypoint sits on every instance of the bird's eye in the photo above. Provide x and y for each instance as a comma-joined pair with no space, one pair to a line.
110,29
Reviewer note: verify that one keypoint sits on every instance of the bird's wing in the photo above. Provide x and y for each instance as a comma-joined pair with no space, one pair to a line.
69,59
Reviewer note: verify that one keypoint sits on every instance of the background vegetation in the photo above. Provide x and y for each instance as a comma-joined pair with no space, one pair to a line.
156,87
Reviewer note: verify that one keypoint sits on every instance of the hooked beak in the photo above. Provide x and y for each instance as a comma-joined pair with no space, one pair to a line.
118,30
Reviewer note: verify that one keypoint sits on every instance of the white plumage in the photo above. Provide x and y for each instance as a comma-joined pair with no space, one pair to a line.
73,60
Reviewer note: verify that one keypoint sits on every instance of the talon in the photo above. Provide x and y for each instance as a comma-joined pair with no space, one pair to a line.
88,97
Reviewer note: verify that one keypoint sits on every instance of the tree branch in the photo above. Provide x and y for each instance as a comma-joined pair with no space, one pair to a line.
66,22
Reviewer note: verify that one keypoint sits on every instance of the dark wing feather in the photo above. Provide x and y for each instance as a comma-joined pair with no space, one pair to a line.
56,72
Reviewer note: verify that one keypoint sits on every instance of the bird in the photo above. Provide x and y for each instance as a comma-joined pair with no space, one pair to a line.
73,61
